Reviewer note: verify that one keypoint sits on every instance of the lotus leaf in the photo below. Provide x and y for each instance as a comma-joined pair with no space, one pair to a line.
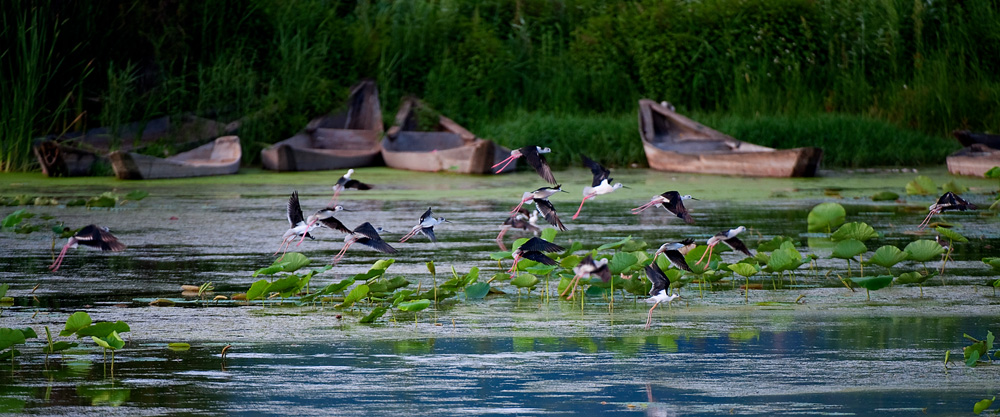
743,269
136,195
415,305
549,234
103,329
477,291
784,260
373,315
356,294
524,281
847,249
257,290
951,234
3,290
614,245
517,243
859,231
112,341
10,337
692,257
993,173
568,262
993,262
923,250
573,248
921,185
873,283
954,187
59,346
622,262
913,277
825,216
497,256
985,403
885,196
107,200
284,284
773,244
887,256
76,321
541,269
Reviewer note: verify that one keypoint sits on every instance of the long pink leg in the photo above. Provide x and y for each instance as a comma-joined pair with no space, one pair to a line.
284,244
581,206
513,268
503,231
411,234
308,228
649,317
709,253
342,252
505,162
643,207
572,286
334,199
519,205
927,219
58,262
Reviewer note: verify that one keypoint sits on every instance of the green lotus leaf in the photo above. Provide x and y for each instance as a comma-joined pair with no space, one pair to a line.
111,341
859,231
847,249
549,234
614,245
954,187
993,262
10,337
76,321
477,291
356,294
415,305
373,315
136,195
3,290
993,173
873,283
887,256
985,403
382,264
622,262
524,281
692,257
784,260
825,216
103,329
923,250
743,269
257,290
885,196
921,185
773,244
951,234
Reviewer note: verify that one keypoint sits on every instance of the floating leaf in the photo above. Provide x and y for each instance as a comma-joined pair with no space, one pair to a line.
415,305
524,281
859,231
743,269
825,216
622,262
107,200
954,187
373,315
885,196
497,256
773,244
921,185
16,217
847,249
178,346
923,250
873,283
477,291
103,329
950,234
76,321
985,403
136,195
887,256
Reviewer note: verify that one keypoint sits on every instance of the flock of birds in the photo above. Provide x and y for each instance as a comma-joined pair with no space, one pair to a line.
535,248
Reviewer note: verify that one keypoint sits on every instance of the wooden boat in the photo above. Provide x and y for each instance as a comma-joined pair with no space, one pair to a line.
219,157
346,139
441,145
678,144
967,138
82,153
973,160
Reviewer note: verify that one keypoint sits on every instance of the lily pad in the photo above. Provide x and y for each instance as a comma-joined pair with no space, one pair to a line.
847,249
415,305
855,230
921,185
524,281
76,321
923,250
825,216
614,245
477,291
743,269
887,256
784,260
951,234
885,196
873,283
622,262
983,404
179,346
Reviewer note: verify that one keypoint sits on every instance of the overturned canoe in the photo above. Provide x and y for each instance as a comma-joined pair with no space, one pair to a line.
79,154
219,157
346,139
973,160
678,144
436,143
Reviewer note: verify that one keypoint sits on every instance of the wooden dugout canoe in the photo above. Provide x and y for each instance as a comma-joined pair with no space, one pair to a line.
973,160
447,146
678,144
347,139
219,157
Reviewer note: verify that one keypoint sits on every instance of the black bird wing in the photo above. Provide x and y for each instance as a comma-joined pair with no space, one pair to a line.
955,202
367,230
429,231
333,223
737,245
675,205
425,216
603,272
293,210
377,244
357,185
537,161
600,172
97,237
549,212
677,259
538,257
658,278
541,245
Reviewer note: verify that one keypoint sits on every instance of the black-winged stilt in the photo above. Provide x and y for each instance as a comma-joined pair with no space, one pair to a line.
426,226
546,209
533,249
90,235
367,235
671,201
532,154
325,218
660,292
675,251
297,226
948,201
523,219
346,182
541,193
729,238
600,185
586,269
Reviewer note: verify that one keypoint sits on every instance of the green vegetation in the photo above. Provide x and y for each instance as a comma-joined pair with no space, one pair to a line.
858,78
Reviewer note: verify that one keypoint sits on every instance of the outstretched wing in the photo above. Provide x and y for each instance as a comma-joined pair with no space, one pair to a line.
425,216
293,210
537,161
539,257
737,245
541,245
677,259
603,272
658,278
549,212
377,244
429,231
367,230
675,205
98,237
357,185
600,173
333,223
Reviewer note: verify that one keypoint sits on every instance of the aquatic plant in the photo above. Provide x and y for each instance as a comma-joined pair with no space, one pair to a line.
978,350
885,196
847,249
10,337
887,256
922,251
825,216
746,270
872,283
921,185
104,334
982,405
784,258
915,277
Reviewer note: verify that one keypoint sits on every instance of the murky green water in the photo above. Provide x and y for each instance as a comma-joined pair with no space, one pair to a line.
830,353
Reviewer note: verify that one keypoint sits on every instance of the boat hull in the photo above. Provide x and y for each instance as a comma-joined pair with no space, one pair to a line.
476,157
798,162
220,157
973,161
326,151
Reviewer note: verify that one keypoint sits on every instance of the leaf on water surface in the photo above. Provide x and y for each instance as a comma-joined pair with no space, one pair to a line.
10,337
76,321
954,187
477,291
179,346
950,234
111,341
136,195
985,403
859,231
524,281
773,244
106,200
887,256
847,249
914,277
825,216
415,305
500,276
257,290
373,315
872,283
549,234
103,329
614,245
784,260
921,185
59,346
356,294
497,256
743,269
622,262
923,250
885,196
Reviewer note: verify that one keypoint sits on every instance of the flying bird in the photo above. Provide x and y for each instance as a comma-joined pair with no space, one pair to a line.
948,201
671,201
346,182
90,235
660,292
523,219
533,249
729,238
585,269
367,235
532,154
297,226
541,193
600,185
426,226
675,251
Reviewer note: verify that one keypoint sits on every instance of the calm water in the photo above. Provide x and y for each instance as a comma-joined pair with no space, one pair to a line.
832,352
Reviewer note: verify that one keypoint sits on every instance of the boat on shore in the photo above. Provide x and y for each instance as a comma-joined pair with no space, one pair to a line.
219,157
967,138
423,140
82,153
345,139
973,160
676,143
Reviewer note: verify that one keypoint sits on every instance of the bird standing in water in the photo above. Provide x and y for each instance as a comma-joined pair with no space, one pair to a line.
948,201
367,235
671,201
729,238
600,185
90,235
660,292
532,154
346,182
426,226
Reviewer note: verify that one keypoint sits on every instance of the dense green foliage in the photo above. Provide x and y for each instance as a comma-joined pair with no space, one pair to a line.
761,66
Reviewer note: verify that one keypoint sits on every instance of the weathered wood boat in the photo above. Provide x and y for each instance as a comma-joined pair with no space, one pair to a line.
219,157
81,153
967,138
973,160
423,140
346,139
676,143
